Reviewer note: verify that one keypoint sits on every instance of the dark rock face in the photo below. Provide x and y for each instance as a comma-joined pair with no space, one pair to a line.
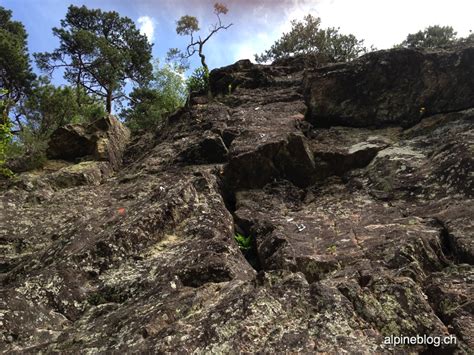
246,75
210,149
69,142
396,87
288,157
358,233
104,139
241,74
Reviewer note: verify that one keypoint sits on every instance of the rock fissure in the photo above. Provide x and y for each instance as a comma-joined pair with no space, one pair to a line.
359,230
448,245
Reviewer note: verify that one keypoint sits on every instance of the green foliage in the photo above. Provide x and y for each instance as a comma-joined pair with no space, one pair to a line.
431,37
164,95
45,109
100,51
199,80
49,107
245,243
27,151
170,83
5,137
305,37
16,75
186,25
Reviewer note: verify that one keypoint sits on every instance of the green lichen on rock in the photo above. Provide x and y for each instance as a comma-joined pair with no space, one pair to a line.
356,232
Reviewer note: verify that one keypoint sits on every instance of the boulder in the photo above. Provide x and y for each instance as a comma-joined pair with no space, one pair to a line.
391,88
352,234
104,139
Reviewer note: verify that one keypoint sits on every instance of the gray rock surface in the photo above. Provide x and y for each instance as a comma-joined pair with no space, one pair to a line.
396,87
358,233
104,139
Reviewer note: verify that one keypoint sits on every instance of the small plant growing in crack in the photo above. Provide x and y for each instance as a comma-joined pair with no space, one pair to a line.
249,250
245,243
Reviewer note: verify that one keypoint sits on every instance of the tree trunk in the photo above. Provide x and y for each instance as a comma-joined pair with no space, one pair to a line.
204,65
203,58
78,90
108,104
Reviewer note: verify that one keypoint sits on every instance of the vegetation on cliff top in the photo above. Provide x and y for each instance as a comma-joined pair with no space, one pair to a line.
306,37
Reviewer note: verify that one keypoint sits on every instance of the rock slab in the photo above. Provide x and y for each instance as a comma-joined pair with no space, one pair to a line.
103,139
358,231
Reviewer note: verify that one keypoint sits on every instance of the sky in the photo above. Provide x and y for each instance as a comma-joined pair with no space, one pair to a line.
256,23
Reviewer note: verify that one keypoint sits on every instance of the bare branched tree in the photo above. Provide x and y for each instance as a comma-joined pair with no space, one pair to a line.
189,26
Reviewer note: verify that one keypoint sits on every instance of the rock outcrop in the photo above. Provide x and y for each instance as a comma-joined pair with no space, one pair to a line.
359,211
396,88
104,139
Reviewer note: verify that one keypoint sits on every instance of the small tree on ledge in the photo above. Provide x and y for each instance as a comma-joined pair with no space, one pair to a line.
188,26
306,37
431,37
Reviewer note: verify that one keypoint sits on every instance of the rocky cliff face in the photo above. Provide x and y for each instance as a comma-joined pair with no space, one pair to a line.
355,182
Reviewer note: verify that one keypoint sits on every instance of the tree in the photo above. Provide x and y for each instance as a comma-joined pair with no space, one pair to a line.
5,137
305,37
49,107
188,26
100,51
164,95
46,108
16,75
431,37
198,81
469,39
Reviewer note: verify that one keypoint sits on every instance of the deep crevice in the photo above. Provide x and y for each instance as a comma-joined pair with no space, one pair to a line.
446,240
251,255
446,243
246,228
229,198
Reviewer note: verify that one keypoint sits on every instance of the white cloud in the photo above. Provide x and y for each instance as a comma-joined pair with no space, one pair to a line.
244,51
385,23
248,49
147,27
258,24
382,23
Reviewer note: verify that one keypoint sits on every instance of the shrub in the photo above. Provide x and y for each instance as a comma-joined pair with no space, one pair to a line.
27,151
431,37
199,81
164,95
306,37
245,243
46,108
49,107
5,136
